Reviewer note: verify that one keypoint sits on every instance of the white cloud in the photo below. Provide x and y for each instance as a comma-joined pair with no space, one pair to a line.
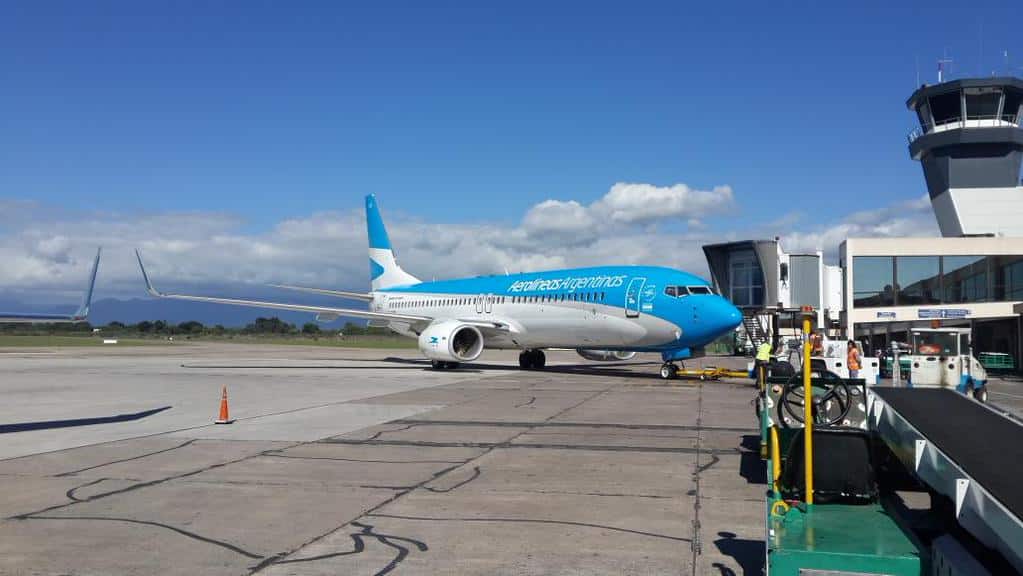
632,203
50,255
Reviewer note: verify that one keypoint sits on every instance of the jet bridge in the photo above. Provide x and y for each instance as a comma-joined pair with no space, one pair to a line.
963,450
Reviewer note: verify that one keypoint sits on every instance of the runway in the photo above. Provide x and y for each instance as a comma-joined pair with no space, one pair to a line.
367,462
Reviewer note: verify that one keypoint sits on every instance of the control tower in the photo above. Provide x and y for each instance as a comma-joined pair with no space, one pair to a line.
970,144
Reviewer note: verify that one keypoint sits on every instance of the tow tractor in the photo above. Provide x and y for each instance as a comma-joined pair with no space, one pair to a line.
866,480
942,358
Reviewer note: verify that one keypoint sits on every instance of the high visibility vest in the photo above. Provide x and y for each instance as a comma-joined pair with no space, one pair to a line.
853,361
764,352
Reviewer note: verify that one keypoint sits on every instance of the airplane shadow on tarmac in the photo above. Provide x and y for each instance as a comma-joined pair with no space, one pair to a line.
612,370
49,424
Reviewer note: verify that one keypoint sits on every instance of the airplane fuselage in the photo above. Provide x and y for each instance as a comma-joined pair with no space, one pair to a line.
637,308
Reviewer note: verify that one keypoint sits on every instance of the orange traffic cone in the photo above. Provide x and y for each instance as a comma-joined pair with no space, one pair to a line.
224,418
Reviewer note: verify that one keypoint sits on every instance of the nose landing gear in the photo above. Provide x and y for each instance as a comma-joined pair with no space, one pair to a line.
669,371
532,360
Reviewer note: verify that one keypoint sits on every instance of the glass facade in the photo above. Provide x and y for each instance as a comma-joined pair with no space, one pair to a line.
964,279
746,279
921,280
918,280
873,281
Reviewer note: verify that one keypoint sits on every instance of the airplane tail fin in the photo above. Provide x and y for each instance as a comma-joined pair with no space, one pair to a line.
83,310
384,271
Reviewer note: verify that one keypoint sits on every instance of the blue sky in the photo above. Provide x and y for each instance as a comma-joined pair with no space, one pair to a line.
456,113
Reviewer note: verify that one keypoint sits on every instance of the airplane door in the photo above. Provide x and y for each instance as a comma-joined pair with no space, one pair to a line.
632,294
479,303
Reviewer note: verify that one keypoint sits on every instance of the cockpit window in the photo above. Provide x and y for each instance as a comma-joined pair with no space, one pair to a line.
671,291
700,290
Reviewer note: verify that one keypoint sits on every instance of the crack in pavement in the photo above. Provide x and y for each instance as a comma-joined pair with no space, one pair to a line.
530,521
531,400
475,475
511,444
548,424
192,535
366,461
139,457
274,559
71,493
377,435
141,485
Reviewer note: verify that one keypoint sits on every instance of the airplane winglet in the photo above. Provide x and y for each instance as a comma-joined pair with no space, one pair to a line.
149,285
83,310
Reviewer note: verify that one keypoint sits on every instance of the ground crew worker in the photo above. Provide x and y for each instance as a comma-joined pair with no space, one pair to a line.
763,359
853,360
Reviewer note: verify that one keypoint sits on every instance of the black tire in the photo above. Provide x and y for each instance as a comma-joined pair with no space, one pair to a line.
452,365
980,394
525,360
437,364
539,359
668,371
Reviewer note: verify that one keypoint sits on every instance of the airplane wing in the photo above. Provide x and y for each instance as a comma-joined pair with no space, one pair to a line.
327,312
339,293
80,315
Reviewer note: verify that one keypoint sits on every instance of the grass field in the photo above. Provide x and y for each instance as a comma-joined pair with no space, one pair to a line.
42,340
332,342
55,341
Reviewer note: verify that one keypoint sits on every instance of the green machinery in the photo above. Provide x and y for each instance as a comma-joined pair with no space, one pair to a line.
824,511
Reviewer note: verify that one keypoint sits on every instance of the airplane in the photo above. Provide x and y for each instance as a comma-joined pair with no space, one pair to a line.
605,313
80,315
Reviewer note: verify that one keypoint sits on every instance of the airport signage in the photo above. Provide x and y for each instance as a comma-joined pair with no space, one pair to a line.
886,315
939,313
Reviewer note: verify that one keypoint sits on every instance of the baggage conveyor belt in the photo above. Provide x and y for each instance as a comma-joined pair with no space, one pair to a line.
964,450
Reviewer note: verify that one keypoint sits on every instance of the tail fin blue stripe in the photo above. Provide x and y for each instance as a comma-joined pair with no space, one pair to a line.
375,225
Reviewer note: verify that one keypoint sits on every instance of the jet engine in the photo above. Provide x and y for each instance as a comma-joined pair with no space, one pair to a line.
605,355
451,341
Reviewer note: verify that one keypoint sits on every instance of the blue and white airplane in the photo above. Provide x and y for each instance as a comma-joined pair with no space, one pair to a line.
80,315
605,313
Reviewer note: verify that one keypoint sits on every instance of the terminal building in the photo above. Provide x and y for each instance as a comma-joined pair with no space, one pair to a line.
969,143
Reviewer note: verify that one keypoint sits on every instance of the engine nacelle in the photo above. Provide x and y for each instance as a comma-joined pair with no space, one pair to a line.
451,341
605,355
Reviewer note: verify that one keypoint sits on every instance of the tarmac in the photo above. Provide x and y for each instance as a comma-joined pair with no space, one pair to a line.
346,461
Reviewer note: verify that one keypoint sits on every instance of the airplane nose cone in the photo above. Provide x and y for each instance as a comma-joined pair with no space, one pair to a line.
729,316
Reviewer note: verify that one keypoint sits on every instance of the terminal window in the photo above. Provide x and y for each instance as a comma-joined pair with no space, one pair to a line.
873,281
918,280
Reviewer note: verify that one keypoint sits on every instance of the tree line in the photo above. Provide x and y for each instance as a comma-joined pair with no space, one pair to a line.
261,326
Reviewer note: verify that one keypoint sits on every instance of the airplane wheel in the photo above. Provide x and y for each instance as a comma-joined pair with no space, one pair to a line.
525,360
980,394
539,359
437,364
668,371
452,365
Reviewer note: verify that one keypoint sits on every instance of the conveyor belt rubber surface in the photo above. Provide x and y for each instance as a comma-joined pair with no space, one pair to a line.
987,445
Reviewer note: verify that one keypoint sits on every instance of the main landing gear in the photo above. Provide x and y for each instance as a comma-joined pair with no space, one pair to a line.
669,371
442,365
532,360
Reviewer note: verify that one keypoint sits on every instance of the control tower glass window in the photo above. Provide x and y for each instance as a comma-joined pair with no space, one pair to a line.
918,280
745,279
964,279
982,103
1010,110
873,281
946,108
